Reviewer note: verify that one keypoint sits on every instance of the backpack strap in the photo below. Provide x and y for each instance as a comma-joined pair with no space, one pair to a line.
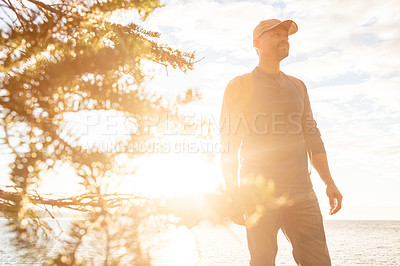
303,92
301,88
246,90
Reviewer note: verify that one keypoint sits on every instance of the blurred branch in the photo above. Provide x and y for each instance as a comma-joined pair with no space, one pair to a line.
45,6
74,202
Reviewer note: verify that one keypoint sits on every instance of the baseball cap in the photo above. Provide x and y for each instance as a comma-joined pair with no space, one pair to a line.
269,24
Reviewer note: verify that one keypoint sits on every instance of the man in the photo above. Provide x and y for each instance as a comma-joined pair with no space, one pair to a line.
266,118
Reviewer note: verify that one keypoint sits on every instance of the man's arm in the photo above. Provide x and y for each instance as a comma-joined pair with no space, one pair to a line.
316,150
320,163
230,135
229,162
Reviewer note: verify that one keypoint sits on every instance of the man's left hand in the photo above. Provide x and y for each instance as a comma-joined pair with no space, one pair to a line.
335,198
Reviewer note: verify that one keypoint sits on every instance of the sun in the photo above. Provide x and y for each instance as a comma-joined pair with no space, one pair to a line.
173,174
153,171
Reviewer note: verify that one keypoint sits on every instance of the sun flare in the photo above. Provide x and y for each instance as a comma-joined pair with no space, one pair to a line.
173,175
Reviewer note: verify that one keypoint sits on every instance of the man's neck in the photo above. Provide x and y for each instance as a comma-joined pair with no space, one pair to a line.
269,66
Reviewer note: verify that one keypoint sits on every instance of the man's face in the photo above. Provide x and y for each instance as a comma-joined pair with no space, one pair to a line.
273,43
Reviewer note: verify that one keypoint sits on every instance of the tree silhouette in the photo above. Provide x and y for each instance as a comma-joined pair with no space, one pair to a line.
65,59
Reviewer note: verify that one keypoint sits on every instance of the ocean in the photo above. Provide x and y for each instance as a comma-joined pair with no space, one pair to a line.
350,243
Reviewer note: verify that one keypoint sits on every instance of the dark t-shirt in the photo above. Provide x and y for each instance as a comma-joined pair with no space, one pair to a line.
280,130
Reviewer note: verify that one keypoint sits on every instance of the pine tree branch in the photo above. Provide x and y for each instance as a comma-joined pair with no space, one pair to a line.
83,200
45,6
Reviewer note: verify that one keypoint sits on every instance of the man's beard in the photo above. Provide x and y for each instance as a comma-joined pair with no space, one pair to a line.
282,53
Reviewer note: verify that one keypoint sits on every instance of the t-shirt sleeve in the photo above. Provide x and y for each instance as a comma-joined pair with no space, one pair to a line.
312,135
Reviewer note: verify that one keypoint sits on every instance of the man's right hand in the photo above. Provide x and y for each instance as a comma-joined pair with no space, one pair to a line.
335,198
238,219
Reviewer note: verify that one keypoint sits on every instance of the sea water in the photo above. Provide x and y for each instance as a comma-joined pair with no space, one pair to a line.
349,242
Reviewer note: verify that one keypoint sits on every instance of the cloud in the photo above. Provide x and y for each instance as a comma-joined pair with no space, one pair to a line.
376,60
221,27
381,96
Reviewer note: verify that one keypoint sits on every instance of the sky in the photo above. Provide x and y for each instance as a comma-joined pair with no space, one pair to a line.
346,52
